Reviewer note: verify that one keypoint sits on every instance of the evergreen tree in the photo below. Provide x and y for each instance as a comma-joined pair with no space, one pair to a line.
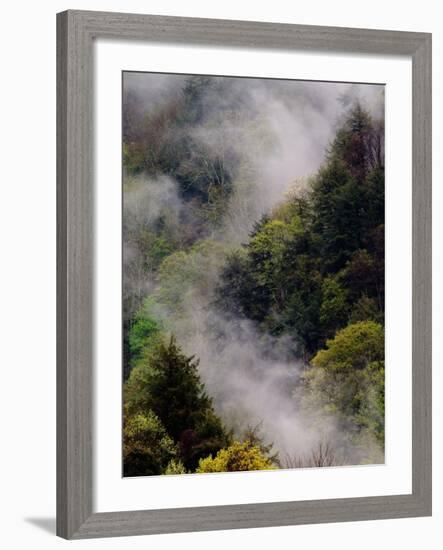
168,384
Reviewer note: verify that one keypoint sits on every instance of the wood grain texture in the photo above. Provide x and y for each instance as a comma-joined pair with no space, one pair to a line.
74,292
422,272
76,31
62,145
246,33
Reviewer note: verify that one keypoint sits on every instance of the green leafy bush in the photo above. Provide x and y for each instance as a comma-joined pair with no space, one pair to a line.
238,457
147,448
347,379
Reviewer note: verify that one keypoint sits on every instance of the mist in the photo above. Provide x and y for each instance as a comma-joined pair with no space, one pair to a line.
273,136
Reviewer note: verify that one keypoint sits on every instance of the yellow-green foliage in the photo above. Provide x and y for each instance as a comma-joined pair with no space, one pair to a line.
268,247
147,448
273,236
347,378
238,457
333,309
186,276
286,212
354,347
175,467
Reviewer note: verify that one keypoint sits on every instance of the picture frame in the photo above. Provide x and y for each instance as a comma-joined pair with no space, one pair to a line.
76,32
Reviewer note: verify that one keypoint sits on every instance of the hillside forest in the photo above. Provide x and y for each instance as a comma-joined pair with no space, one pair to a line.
253,274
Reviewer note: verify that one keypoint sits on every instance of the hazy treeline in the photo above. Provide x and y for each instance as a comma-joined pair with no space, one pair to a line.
253,274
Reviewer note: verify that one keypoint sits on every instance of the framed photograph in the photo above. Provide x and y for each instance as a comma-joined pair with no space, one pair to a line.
244,274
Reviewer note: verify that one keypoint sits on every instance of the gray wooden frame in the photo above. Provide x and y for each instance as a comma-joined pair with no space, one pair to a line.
76,31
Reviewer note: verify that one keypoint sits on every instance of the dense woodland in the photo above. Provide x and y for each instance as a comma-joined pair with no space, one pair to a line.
253,329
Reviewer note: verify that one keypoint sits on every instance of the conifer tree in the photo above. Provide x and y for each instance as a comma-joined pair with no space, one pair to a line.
168,383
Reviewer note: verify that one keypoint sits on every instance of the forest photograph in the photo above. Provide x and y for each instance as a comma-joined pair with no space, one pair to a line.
253,287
